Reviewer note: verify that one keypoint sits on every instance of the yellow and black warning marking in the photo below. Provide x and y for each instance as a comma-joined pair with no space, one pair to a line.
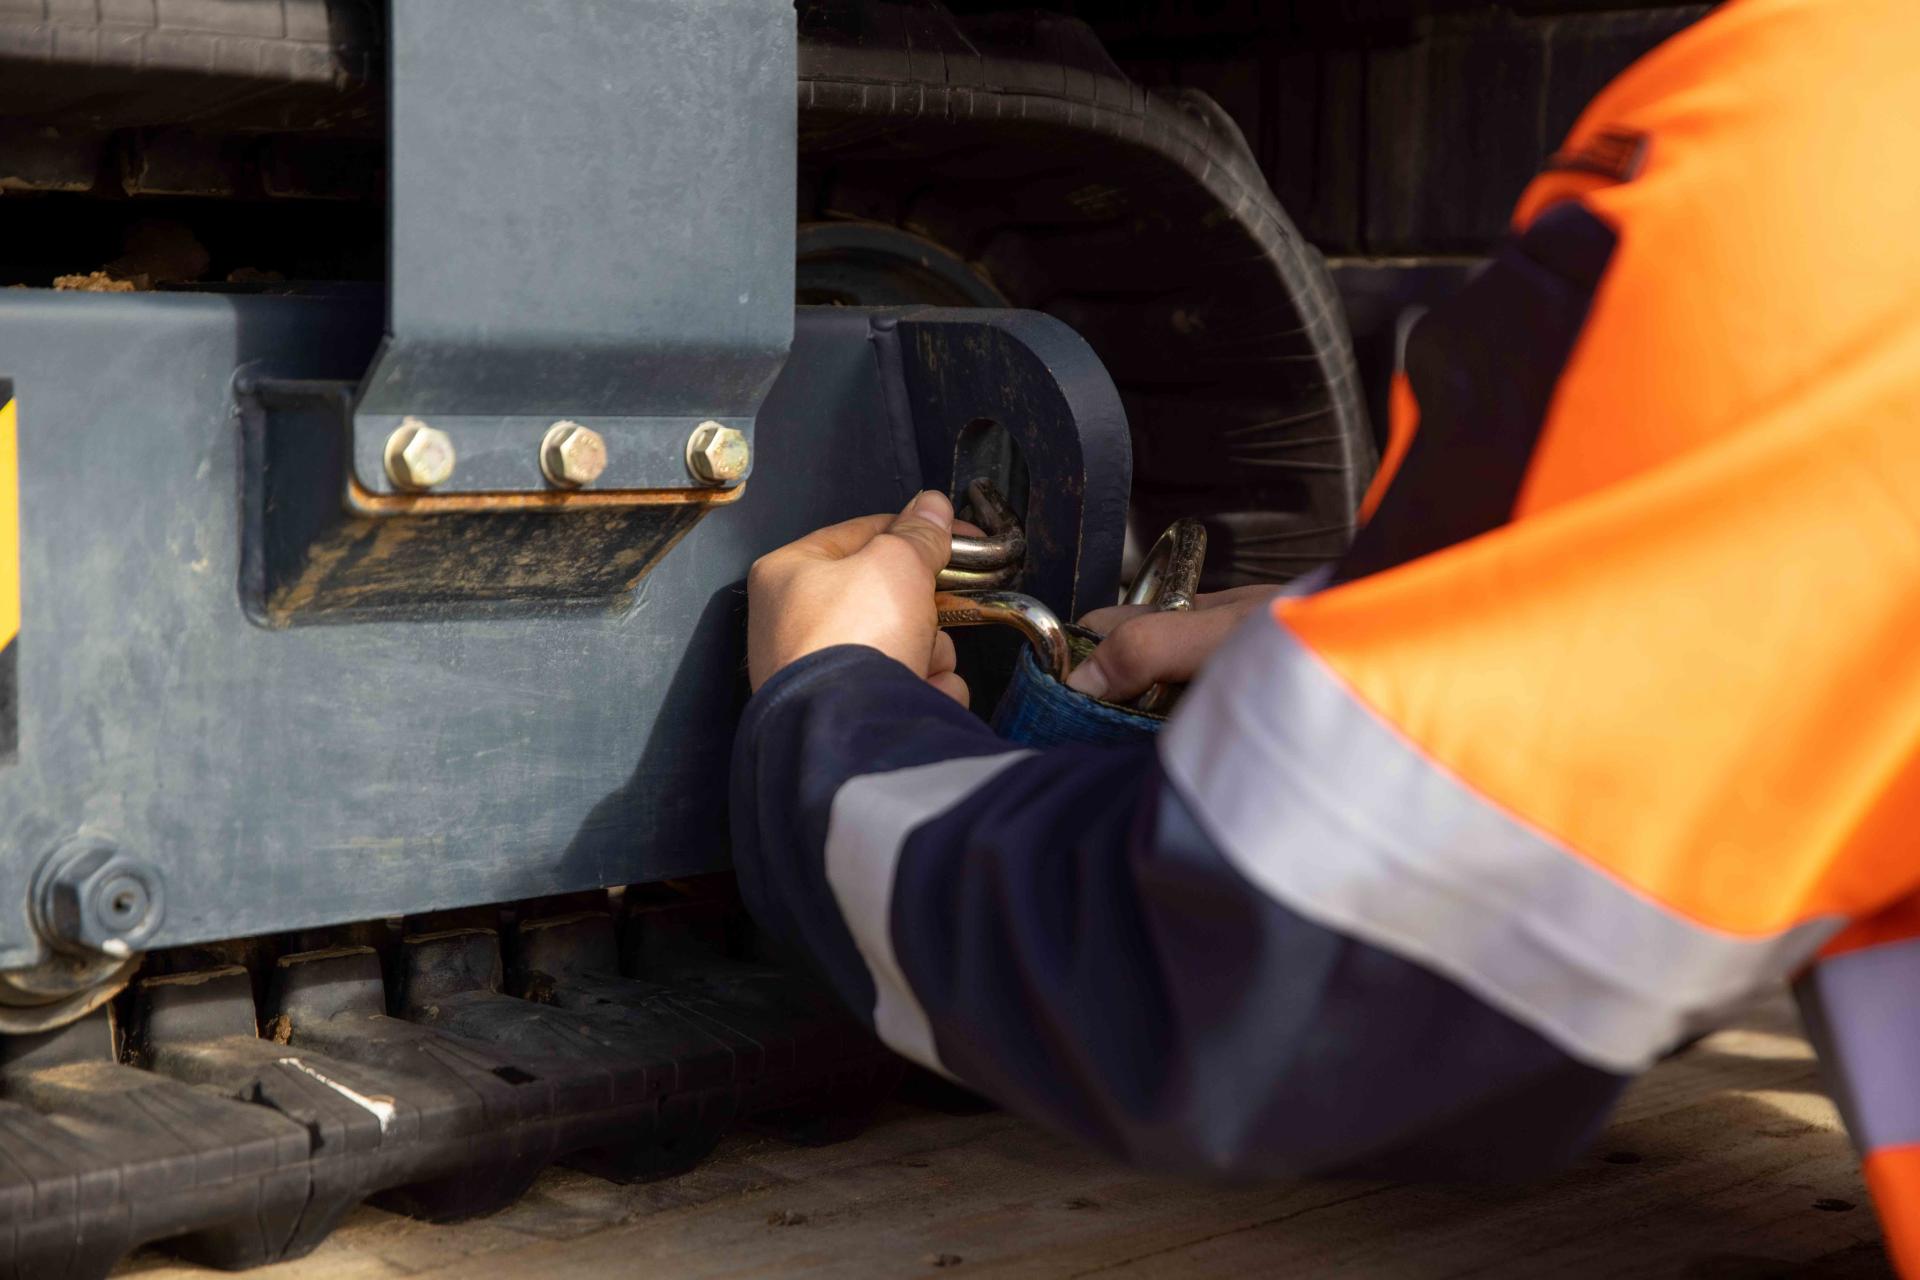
9,579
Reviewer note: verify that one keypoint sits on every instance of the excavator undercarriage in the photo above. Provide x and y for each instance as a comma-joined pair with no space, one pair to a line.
395,395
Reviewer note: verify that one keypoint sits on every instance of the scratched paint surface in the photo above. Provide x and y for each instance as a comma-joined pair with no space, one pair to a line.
9,575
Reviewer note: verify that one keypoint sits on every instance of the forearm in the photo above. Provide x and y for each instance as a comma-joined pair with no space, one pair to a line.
834,715
1055,929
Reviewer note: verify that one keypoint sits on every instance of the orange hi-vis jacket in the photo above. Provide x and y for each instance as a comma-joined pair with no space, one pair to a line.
1687,659
1608,722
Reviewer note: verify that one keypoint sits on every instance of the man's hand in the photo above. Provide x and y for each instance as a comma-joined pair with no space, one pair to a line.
868,581
1144,647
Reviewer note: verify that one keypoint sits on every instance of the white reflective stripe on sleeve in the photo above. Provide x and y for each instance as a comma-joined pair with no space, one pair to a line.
1330,810
1863,1011
868,825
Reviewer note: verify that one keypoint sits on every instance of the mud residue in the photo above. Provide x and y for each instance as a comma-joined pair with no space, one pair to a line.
155,252
93,282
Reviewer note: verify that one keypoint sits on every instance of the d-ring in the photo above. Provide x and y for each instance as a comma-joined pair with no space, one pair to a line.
1168,581
1170,578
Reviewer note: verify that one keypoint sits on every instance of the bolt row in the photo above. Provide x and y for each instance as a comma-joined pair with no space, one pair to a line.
421,457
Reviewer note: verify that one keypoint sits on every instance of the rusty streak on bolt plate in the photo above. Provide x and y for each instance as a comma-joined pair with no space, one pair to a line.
364,501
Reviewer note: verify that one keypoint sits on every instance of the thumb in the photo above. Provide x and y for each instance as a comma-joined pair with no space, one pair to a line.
927,526
1154,648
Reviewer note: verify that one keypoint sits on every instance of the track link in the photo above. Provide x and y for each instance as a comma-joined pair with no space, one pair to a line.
236,1113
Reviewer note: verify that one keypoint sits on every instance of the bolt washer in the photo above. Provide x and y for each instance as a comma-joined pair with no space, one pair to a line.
718,455
419,456
572,456
92,897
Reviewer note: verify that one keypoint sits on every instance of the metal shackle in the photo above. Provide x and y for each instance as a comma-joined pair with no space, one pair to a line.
1170,577
1168,581
1010,609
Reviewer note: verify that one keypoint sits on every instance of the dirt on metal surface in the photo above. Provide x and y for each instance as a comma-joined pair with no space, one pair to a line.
94,282
156,252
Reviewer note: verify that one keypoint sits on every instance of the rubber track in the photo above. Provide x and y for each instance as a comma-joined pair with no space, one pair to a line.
238,1130
1142,221
208,64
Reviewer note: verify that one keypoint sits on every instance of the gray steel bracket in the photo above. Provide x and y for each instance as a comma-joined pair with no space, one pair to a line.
508,708
591,220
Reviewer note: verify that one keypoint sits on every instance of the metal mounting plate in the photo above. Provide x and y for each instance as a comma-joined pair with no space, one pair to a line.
502,454
592,219
435,751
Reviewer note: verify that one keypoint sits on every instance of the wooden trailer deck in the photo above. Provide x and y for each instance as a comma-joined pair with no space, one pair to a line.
1724,1163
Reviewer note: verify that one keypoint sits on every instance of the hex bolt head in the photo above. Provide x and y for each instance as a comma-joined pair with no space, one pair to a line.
572,456
419,456
94,897
717,455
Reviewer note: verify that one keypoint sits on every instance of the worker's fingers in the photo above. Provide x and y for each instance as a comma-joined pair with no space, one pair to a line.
1154,648
944,658
836,541
951,685
1255,594
926,527
1106,620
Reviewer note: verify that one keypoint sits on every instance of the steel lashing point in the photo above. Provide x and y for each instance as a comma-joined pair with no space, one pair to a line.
1010,609
993,559
977,564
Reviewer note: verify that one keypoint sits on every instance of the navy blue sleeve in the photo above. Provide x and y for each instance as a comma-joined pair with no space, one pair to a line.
818,721
1057,930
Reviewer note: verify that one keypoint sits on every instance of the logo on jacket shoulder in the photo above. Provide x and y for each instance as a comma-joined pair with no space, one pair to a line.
1613,153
